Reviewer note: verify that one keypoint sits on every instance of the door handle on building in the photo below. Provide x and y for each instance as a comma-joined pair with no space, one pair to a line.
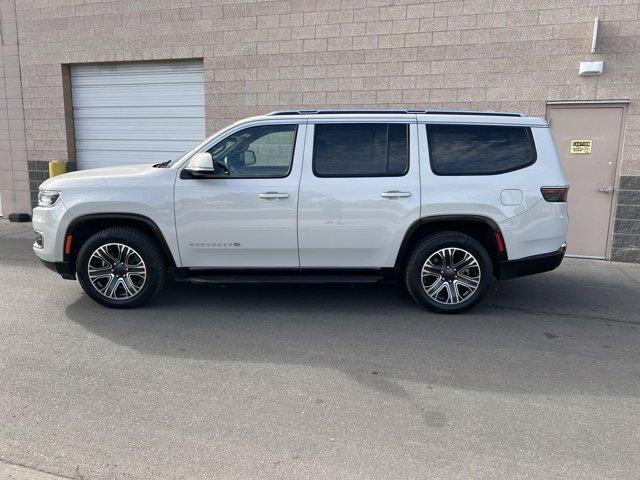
395,194
608,190
273,195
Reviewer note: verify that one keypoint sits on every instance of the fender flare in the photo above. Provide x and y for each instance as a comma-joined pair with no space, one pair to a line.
157,232
444,218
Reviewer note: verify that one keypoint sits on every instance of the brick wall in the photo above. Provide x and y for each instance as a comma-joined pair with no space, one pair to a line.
265,55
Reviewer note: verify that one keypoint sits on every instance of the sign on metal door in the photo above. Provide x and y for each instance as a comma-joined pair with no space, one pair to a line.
581,146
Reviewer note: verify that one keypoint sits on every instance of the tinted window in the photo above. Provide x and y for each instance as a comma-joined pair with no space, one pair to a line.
265,151
479,149
361,150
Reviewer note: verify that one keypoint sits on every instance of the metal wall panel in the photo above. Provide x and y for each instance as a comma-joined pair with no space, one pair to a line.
128,113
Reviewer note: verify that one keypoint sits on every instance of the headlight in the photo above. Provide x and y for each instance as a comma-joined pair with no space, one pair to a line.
47,198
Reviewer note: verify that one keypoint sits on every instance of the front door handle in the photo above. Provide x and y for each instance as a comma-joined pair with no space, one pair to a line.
608,190
395,194
273,195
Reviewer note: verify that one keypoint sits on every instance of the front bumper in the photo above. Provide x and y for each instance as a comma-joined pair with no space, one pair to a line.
530,265
64,269
47,222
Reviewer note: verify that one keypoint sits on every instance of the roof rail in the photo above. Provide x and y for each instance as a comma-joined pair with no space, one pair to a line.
291,112
330,112
486,113
382,112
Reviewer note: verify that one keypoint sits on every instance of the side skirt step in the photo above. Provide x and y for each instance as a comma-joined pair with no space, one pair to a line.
288,276
283,279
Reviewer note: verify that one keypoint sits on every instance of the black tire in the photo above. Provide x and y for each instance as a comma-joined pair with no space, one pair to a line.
426,249
144,246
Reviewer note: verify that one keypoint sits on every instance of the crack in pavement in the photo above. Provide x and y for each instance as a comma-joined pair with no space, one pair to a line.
19,471
562,314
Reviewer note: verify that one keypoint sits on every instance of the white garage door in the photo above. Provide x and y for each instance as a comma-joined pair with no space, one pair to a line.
130,113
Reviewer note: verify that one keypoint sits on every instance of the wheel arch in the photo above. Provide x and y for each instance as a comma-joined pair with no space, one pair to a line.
483,229
81,228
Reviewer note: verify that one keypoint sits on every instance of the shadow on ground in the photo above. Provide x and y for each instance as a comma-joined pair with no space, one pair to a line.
562,333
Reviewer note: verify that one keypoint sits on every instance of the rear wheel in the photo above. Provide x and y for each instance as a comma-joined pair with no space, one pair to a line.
121,267
448,272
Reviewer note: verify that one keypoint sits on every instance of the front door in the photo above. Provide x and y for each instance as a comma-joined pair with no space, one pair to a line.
588,139
246,216
359,193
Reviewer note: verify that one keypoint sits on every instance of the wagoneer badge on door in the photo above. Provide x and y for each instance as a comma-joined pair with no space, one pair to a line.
214,244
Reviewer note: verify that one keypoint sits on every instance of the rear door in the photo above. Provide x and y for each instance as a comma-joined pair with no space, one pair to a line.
359,192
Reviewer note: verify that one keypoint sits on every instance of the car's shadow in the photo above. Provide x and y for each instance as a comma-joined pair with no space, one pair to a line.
559,333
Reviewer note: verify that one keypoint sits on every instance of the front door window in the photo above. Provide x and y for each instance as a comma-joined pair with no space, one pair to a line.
256,152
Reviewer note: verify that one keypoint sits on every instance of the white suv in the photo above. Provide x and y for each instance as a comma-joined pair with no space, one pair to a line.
442,200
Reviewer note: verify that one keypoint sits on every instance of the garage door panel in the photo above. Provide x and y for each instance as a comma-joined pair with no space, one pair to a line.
139,95
138,68
136,113
131,128
140,112
146,79
98,159
132,145
101,158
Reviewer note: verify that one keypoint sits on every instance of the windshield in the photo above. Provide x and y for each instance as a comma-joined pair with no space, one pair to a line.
175,161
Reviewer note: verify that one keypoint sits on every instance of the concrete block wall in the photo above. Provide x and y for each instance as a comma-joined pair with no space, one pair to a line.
264,55
626,230
14,176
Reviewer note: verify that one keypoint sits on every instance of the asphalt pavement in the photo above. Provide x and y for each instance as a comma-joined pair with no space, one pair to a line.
540,381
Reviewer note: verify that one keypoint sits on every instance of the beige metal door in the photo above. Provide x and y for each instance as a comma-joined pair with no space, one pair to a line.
588,142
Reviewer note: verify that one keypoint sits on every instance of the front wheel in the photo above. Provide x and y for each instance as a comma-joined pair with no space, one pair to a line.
448,272
121,267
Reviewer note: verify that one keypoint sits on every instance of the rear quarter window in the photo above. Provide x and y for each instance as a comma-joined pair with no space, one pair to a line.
479,149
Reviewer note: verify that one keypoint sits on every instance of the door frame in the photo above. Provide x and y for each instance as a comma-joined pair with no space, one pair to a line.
294,176
623,104
386,256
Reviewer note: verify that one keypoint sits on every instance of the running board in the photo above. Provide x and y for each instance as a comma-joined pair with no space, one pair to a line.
283,279
283,276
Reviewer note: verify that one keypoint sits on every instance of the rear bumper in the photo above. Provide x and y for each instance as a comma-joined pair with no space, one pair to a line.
530,265
62,268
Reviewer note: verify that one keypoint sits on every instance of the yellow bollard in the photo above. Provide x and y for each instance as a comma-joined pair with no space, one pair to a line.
57,168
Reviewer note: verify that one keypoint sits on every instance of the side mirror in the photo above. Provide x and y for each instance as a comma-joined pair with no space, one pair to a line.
201,165
248,157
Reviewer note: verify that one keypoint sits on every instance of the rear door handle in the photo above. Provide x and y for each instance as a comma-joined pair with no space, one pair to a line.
395,194
273,195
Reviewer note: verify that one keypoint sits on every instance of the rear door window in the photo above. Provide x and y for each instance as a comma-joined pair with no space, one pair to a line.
479,149
361,150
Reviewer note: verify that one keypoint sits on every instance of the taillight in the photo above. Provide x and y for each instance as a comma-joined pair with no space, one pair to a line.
555,194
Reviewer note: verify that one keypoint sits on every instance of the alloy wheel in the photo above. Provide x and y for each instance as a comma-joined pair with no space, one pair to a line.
117,271
450,275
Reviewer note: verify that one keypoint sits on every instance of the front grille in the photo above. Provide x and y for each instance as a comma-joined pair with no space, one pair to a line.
38,240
